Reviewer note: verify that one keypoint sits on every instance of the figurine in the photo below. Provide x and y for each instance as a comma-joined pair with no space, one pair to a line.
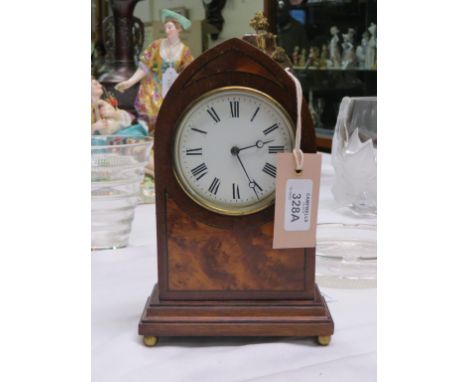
260,24
291,32
302,58
319,111
159,66
324,57
295,56
314,57
310,57
335,55
371,56
351,34
106,117
361,50
349,57
214,19
313,113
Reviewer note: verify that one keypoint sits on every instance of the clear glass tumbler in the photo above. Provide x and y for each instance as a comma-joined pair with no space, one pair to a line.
346,255
354,155
117,170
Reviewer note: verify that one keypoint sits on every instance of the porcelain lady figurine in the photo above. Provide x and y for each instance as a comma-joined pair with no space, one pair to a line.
159,66
361,50
325,61
295,56
371,54
313,58
335,55
302,58
106,117
349,57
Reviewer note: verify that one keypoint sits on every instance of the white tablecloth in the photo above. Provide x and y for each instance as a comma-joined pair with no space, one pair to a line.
123,279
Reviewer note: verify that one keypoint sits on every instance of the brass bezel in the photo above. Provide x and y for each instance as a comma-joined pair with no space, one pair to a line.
183,182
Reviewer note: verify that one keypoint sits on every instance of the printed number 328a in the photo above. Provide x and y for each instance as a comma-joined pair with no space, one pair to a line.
295,207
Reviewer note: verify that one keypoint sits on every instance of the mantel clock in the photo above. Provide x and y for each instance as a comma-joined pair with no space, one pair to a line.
216,138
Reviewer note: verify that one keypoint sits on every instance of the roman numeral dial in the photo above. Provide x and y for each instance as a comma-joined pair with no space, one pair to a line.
214,186
200,171
270,129
213,114
234,109
255,114
269,169
275,149
224,150
197,151
235,191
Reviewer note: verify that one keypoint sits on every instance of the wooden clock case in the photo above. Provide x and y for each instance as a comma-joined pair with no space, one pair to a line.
218,275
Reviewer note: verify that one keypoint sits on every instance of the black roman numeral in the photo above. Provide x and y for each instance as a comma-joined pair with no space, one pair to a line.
197,151
213,114
234,109
214,186
269,169
235,191
270,129
253,116
201,170
199,131
275,149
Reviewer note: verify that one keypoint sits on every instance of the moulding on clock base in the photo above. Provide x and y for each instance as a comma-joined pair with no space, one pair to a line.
286,318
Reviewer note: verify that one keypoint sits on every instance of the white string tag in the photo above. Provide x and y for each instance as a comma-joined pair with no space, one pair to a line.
297,191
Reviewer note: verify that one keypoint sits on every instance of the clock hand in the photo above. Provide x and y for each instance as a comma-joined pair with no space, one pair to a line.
259,144
252,184
255,184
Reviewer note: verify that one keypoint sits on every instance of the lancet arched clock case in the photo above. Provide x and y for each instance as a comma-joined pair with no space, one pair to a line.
216,138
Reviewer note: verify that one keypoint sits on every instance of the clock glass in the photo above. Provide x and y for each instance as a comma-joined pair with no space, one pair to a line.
225,149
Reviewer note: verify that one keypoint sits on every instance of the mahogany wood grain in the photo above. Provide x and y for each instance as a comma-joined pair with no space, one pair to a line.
223,319
203,259
204,252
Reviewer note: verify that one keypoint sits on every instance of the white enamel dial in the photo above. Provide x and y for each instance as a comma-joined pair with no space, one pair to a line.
225,149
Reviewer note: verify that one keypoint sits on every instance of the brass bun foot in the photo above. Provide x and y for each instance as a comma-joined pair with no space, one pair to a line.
323,340
150,341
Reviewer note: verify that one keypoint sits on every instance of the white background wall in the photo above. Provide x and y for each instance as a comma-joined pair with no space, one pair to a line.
236,13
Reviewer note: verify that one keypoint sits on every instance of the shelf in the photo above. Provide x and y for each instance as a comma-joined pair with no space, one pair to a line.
327,86
329,3
325,133
313,69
